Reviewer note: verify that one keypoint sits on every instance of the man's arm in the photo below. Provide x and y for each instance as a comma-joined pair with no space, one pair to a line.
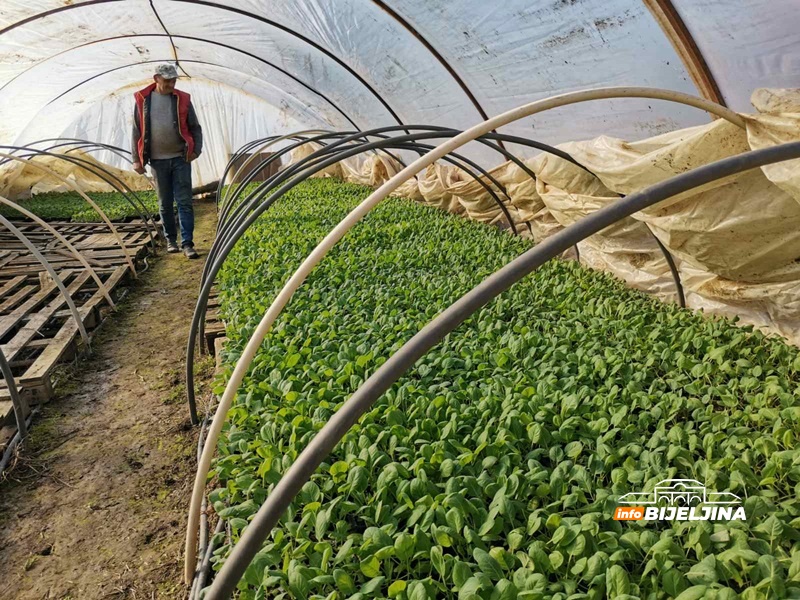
196,130
135,135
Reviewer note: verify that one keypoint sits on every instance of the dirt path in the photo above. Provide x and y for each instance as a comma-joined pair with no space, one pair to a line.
96,505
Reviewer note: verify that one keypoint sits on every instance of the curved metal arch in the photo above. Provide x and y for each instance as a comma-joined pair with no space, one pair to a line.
88,147
251,147
513,139
434,332
72,185
196,39
235,10
75,252
358,213
103,174
388,143
196,327
267,142
252,200
448,132
124,151
300,141
121,152
115,182
377,132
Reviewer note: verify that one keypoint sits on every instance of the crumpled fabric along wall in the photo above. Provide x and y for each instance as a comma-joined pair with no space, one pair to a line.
20,180
736,242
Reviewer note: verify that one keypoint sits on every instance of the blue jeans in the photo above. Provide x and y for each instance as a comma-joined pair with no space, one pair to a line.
174,186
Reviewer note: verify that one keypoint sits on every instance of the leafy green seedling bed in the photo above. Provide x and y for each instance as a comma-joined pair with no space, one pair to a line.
493,468
70,206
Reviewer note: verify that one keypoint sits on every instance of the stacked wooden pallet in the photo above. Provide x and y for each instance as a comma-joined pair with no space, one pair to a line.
37,330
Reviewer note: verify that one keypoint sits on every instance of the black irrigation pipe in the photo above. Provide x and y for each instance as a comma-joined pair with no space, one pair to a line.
673,269
224,242
435,331
103,174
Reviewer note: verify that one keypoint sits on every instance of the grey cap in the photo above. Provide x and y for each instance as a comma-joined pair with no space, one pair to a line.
167,71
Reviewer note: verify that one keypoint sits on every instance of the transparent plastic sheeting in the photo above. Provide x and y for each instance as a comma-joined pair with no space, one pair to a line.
353,62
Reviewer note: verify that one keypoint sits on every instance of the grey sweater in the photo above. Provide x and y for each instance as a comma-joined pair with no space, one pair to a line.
194,128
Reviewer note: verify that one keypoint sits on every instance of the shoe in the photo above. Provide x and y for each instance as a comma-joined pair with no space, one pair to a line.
190,252
172,247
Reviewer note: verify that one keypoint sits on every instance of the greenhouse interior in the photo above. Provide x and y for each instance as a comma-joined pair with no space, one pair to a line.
400,299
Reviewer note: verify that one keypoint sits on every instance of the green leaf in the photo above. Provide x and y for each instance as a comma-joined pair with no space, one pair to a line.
487,564
397,588
370,567
404,546
673,582
461,572
704,572
470,589
372,586
504,590
437,560
343,581
417,591
696,592
617,582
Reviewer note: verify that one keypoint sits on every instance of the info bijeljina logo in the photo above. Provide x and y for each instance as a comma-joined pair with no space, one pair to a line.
680,500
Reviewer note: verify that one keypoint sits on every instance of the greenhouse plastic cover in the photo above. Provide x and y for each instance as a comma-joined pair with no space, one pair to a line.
258,67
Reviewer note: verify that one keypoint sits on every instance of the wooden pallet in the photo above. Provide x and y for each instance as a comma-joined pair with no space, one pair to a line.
95,241
37,329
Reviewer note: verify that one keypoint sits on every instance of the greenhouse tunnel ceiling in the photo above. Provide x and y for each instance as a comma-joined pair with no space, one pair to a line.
70,67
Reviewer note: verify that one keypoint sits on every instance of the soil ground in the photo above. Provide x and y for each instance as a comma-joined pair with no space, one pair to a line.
95,505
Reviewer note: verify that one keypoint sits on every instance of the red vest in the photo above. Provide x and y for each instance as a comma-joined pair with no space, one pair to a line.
183,100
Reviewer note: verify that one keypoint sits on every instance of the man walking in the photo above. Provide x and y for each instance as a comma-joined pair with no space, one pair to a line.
167,134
